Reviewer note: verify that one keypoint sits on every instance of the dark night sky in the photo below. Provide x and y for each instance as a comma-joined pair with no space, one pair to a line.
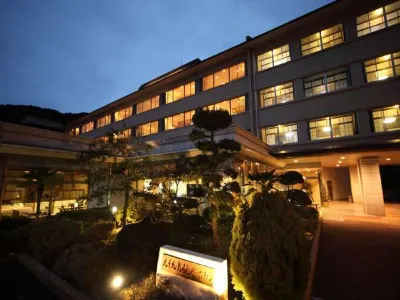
78,55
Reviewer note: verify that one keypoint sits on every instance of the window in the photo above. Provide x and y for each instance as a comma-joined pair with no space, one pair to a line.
322,40
378,19
233,106
124,134
280,134
74,131
147,129
123,114
179,120
332,127
149,104
180,92
325,83
223,76
386,119
276,94
382,67
87,127
273,58
104,121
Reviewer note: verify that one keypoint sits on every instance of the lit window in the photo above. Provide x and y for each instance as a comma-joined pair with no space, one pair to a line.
383,67
180,92
223,76
273,58
332,127
238,105
179,120
325,83
104,121
234,106
124,134
87,127
74,131
378,19
123,114
322,40
149,104
276,94
147,129
280,134
386,119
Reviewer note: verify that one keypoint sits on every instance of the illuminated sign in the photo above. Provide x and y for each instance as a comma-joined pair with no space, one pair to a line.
193,274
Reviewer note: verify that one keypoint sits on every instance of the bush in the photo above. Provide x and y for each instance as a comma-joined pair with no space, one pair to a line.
47,239
269,252
8,223
99,231
89,267
140,242
147,290
89,216
310,216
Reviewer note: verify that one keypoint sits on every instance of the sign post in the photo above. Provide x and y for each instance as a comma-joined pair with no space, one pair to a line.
192,274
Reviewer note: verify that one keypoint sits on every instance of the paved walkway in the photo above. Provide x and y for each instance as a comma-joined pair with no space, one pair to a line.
359,256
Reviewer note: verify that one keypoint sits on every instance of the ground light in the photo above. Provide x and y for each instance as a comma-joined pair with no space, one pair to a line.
117,282
114,209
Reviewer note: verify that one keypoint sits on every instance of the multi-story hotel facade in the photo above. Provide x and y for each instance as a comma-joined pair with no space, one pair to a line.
319,94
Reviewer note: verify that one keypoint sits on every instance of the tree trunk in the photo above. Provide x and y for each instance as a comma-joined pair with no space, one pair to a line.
214,226
39,198
125,209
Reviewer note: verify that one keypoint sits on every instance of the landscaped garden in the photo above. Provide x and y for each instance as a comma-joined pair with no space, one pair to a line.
265,231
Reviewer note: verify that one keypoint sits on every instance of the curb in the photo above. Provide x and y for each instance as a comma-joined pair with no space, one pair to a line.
313,260
62,289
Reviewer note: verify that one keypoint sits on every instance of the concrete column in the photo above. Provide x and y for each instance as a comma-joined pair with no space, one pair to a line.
350,30
250,72
363,123
302,131
295,50
355,184
371,186
357,74
298,89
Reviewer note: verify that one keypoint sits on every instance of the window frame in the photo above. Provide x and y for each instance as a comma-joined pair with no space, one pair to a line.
140,129
230,105
278,134
87,124
331,131
275,98
98,125
384,15
320,40
273,61
192,92
383,109
152,100
324,77
395,68
228,70
185,122
126,115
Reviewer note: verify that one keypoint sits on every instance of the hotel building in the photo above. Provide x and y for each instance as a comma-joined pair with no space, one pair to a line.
319,94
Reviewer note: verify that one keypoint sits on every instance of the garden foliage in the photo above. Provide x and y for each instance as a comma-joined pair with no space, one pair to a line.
269,250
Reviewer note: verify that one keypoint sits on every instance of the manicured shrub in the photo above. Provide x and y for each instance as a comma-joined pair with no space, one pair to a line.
269,251
310,217
89,216
8,223
89,267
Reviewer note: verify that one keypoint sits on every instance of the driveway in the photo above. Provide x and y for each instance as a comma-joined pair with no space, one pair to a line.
358,260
